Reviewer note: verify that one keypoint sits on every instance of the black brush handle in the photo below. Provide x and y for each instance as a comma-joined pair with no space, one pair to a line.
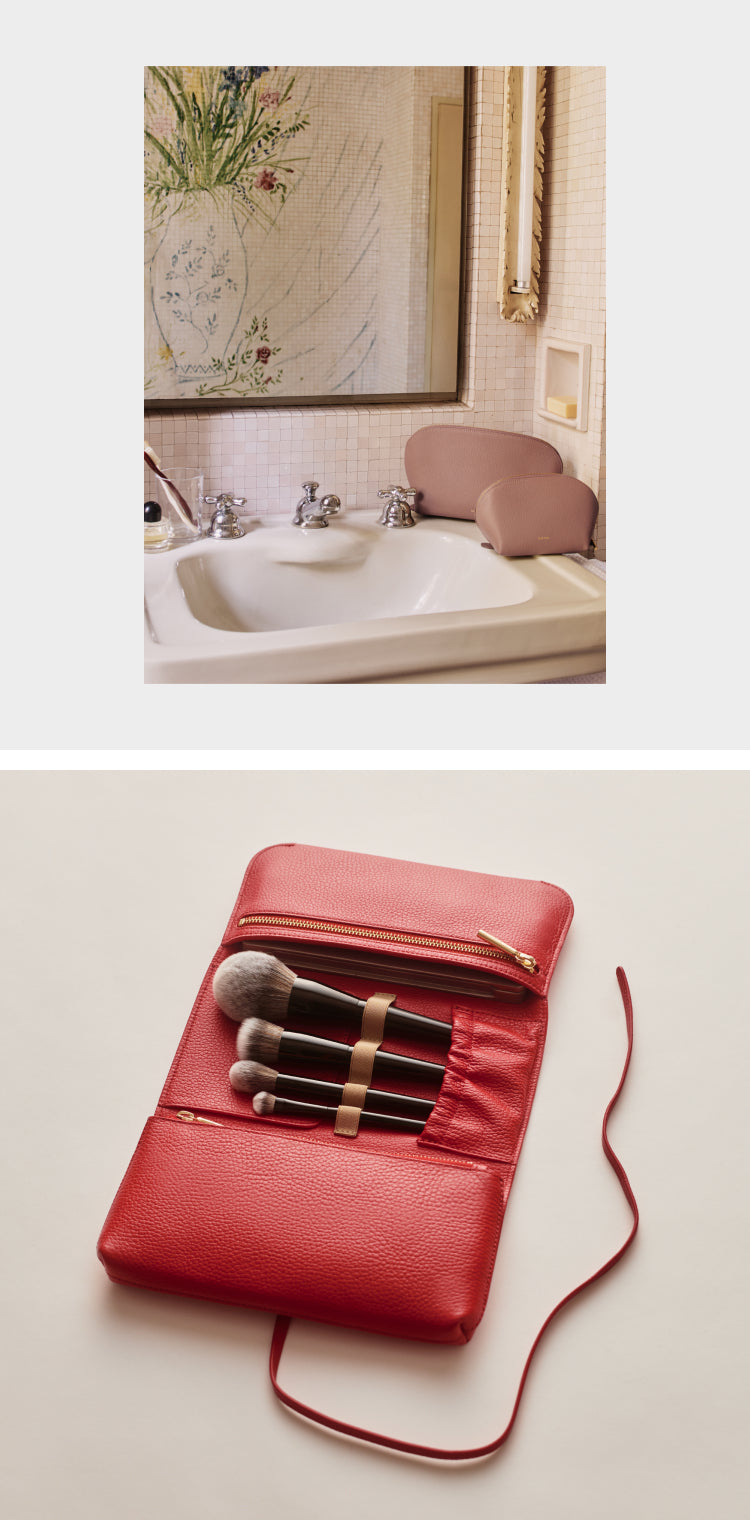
311,1000
311,1048
310,1090
285,1108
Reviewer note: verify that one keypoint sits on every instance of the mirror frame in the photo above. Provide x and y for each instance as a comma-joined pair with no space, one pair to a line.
517,306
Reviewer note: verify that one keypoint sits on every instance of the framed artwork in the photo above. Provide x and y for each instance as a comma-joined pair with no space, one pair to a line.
290,241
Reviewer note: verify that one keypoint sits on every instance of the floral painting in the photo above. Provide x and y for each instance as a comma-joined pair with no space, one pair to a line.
287,220
221,153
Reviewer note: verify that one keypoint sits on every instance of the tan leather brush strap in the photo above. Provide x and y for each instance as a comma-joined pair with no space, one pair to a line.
361,1064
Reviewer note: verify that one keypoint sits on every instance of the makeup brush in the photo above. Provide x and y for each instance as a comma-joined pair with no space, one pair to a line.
268,1103
251,1077
257,1040
252,984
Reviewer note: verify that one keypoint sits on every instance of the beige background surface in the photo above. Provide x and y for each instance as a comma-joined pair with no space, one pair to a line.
114,891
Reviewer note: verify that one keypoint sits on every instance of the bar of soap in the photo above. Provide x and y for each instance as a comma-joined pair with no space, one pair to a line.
562,406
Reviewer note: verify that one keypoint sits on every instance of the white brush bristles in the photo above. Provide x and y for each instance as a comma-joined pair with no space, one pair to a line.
252,984
264,1103
252,1077
259,1041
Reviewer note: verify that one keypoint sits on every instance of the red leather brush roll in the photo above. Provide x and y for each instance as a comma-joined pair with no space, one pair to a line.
387,1232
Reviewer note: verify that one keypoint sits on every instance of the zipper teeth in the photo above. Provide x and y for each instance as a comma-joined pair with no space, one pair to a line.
466,948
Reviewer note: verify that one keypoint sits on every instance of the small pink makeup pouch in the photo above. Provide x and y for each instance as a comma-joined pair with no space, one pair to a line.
537,514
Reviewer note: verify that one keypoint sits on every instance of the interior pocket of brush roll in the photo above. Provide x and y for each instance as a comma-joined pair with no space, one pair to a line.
491,1073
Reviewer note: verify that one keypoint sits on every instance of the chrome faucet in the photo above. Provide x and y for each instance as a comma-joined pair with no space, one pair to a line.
311,513
225,522
397,508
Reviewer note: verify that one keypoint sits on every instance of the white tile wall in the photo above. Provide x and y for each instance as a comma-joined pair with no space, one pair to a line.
265,454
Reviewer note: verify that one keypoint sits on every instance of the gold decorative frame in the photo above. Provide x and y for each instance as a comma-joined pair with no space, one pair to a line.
519,306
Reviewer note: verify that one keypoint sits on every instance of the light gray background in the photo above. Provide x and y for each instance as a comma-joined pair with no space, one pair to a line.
115,889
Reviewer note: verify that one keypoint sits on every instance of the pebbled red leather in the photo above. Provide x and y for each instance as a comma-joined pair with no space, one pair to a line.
304,881
281,1328
325,1231
391,1233
490,1078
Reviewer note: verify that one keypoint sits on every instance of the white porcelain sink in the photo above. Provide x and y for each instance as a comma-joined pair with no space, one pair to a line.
289,577
356,601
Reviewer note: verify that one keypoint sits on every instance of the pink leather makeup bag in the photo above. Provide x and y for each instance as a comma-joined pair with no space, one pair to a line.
449,466
537,514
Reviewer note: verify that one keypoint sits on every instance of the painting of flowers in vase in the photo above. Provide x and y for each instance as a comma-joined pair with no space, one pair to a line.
289,219
222,148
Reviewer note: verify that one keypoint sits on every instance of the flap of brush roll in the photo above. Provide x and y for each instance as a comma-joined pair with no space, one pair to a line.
432,914
360,1068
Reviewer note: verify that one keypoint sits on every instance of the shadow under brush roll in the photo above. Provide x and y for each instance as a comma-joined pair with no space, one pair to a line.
252,984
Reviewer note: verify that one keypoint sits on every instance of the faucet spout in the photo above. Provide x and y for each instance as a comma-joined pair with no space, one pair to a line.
311,513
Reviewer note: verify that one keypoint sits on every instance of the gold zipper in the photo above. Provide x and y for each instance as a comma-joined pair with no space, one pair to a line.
527,961
464,947
189,1117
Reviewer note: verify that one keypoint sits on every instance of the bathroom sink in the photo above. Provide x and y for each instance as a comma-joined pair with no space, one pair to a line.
285,577
359,602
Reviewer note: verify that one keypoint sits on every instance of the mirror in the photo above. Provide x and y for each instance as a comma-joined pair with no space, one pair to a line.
303,234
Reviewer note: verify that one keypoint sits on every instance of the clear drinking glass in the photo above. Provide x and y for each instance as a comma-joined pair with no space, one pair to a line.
189,482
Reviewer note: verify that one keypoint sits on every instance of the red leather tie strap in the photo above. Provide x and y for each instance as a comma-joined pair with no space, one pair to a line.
281,1327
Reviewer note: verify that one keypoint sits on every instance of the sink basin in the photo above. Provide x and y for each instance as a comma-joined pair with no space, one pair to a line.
359,602
290,578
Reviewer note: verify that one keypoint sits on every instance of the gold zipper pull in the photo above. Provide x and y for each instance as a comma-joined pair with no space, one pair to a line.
190,1118
527,961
